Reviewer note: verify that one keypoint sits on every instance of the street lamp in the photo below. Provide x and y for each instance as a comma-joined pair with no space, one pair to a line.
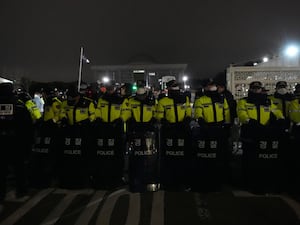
82,59
105,79
184,79
291,51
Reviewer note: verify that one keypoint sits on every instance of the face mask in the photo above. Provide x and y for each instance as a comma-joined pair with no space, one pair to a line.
282,91
213,88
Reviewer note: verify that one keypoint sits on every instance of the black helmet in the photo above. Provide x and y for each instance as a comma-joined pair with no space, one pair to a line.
281,84
72,91
172,84
6,89
255,85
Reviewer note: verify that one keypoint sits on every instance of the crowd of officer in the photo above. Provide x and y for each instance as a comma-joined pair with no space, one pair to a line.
213,106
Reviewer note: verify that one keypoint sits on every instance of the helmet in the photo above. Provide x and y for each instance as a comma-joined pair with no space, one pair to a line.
72,91
281,84
208,82
6,89
172,84
255,85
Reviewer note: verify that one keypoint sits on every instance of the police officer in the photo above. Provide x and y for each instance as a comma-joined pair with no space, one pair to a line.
212,108
175,107
257,110
52,107
213,115
142,107
223,91
260,120
174,112
112,107
282,99
25,99
77,109
16,133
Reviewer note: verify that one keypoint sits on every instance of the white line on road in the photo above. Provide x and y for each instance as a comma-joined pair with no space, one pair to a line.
54,216
157,212
90,208
13,218
107,209
133,217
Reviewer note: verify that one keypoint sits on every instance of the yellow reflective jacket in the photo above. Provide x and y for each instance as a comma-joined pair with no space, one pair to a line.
173,112
33,109
282,104
112,107
84,110
52,110
204,108
294,111
247,110
141,111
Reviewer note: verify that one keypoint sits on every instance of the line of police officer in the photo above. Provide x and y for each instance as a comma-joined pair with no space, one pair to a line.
211,108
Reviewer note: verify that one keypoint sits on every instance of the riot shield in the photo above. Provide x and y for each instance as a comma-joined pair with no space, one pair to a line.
106,155
209,144
175,156
43,156
73,157
262,159
143,150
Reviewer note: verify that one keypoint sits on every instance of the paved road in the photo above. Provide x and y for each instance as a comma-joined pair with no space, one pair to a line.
121,207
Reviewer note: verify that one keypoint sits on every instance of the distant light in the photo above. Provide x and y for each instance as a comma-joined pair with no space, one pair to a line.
105,79
151,74
265,59
138,71
291,51
255,64
184,78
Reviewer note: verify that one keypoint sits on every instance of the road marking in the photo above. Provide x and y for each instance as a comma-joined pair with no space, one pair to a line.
90,208
106,211
133,217
74,192
13,218
158,205
54,216
292,203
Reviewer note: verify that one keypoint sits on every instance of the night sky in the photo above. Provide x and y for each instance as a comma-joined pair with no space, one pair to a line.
43,38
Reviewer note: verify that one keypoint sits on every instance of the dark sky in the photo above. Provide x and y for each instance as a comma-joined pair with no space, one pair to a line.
43,38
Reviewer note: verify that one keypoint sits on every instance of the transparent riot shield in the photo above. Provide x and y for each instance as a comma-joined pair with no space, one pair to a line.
143,144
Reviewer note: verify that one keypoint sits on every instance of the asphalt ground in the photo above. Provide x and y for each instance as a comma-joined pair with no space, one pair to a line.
120,206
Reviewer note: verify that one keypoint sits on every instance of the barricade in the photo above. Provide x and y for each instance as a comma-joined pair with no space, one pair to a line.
175,156
73,157
143,150
262,158
43,156
106,155
209,146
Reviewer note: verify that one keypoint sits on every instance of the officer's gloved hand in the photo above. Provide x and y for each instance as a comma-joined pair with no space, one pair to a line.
201,122
187,120
98,120
280,124
64,122
117,122
253,123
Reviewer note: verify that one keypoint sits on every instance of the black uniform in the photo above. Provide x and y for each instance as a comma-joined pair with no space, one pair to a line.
16,132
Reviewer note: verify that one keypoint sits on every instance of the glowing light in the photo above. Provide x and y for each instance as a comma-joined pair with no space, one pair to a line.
291,51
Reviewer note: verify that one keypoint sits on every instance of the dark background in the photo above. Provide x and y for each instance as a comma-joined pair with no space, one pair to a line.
42,39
